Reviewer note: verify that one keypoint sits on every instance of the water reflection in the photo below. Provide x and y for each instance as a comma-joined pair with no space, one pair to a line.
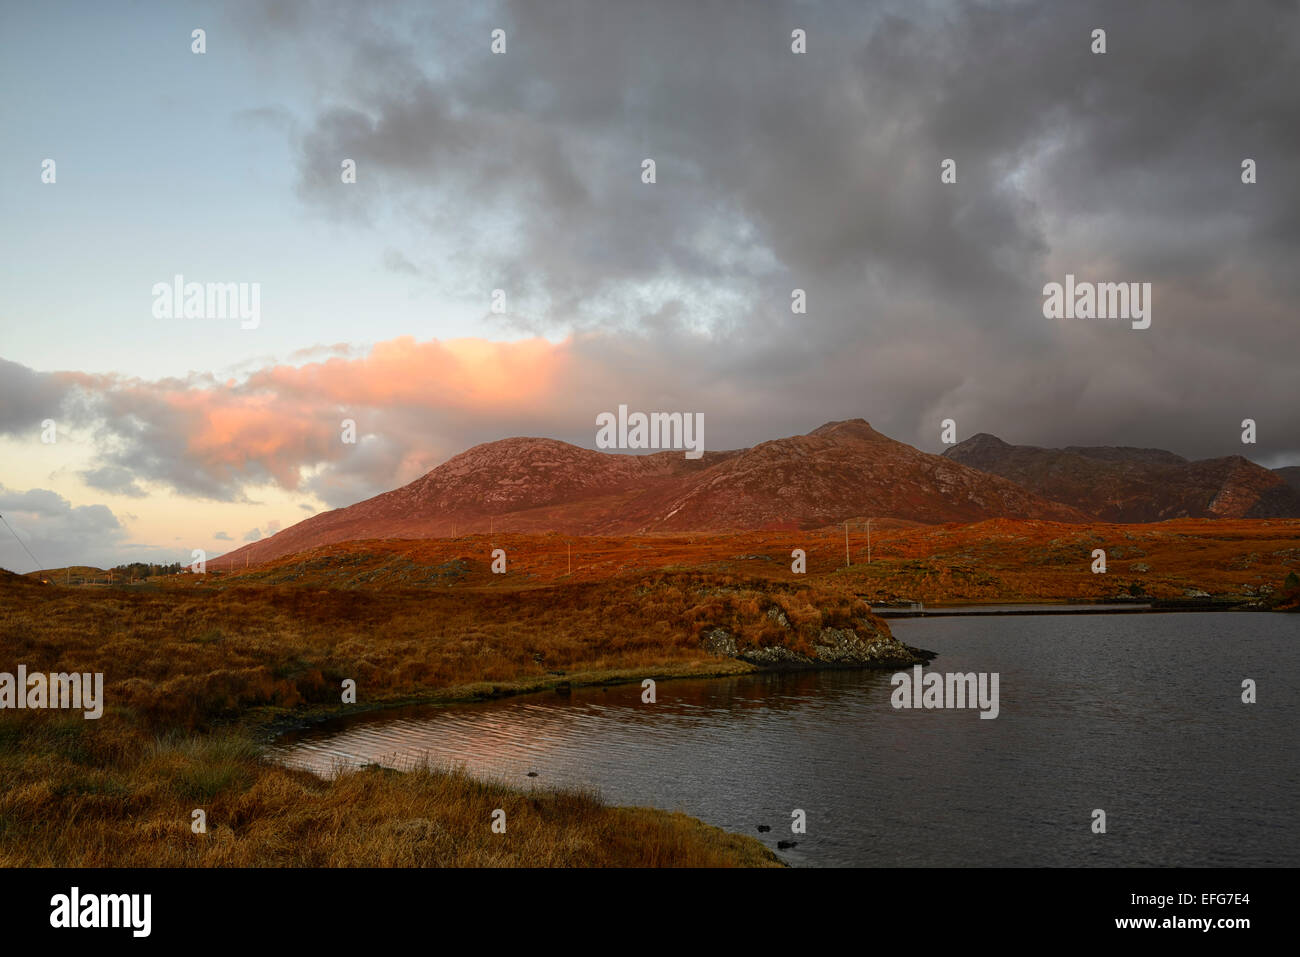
504,738
1140,715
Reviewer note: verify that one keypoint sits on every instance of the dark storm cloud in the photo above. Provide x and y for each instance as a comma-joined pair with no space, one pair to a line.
821,171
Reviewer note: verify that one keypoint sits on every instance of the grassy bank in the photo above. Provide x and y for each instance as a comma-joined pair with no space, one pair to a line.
193,679
96,794
185,658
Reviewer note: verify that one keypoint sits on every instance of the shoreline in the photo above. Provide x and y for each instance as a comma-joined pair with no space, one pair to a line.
1070,606
267,724
265,733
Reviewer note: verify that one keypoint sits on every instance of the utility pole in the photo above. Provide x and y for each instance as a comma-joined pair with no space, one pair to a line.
848,562
570,545
868,541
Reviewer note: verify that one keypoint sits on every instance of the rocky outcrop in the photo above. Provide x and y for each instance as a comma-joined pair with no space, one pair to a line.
866,645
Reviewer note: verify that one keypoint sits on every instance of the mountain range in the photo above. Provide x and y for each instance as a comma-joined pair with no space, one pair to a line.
840,471
1117,484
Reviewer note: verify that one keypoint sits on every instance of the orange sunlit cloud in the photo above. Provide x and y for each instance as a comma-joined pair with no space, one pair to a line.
284,420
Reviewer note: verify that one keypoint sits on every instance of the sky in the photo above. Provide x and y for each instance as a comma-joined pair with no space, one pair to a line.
522,171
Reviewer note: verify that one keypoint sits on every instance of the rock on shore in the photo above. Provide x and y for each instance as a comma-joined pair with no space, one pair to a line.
867,645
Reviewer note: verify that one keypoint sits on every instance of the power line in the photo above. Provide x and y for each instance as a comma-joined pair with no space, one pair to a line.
39,566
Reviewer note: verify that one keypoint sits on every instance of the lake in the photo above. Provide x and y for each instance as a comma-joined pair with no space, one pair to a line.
1137,715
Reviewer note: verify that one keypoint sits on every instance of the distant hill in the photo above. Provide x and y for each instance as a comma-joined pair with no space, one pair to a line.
1118,484
1289,474
839,471
10,579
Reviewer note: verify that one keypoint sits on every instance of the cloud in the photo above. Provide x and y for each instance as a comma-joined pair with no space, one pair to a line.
818,171
222,537
28,398
114,479
394,261
252,535
59,533
821,171
414,404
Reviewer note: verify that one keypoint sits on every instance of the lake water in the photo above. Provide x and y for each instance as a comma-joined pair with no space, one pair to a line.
1138,715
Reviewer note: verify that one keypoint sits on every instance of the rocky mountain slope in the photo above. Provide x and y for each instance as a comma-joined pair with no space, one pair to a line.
839,471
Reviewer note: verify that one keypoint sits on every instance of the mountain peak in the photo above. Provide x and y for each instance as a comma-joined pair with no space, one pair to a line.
847,428
980,442
536,485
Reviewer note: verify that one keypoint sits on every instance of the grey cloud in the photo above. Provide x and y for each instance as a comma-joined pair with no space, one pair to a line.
822,171
114,479
59,533
28,397
152,440
373,467
394,261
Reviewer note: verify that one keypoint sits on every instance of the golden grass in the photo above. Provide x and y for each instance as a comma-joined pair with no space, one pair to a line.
191,678
177,658
196,667
996,560
80,794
